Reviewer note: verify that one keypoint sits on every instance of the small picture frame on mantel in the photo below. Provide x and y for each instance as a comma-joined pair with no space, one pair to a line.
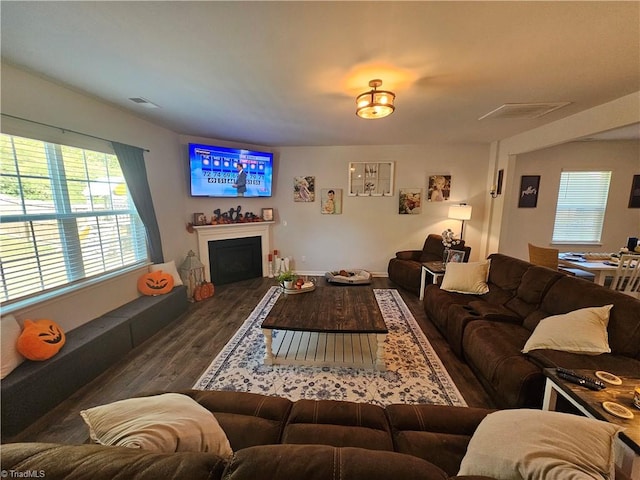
199,219
267,214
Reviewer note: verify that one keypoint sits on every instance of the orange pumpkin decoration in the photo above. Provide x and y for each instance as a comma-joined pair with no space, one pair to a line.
203,291
40,339
155,283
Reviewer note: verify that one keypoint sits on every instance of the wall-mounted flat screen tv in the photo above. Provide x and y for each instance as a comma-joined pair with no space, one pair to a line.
213,171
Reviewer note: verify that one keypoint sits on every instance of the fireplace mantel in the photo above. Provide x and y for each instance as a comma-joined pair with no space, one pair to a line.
211,233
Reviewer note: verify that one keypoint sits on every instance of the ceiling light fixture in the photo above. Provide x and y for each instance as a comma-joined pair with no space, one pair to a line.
375,103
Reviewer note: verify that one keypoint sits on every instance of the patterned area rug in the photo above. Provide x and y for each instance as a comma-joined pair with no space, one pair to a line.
414,372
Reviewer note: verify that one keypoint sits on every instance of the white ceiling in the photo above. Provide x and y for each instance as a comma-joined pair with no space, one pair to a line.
287,73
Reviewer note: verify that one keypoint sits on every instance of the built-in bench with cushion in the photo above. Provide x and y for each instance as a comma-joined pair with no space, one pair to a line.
34,388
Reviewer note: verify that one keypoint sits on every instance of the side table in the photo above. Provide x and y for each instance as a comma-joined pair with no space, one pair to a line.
589,403
436,269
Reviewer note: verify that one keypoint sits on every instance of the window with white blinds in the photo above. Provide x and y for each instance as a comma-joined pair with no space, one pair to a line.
65,216
582,201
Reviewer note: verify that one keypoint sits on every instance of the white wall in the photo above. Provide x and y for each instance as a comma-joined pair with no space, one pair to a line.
31,97
535,225
617,113
366,235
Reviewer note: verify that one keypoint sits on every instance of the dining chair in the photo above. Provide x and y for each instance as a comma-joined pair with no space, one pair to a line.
548,257
627,276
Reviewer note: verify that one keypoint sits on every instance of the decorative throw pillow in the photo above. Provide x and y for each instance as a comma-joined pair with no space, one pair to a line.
468,278
40,339
9,333
170,422
581,331
168,267
524,444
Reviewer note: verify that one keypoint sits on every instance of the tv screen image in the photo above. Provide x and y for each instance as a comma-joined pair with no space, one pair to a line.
213,171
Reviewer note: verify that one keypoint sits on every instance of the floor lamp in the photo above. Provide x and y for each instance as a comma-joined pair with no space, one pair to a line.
460,212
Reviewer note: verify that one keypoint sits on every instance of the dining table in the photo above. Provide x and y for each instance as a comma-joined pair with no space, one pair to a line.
601,268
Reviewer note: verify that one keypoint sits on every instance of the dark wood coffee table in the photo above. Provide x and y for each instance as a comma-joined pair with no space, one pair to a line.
589,402
332,325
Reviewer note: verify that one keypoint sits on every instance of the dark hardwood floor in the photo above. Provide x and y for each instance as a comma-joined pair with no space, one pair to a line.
175,357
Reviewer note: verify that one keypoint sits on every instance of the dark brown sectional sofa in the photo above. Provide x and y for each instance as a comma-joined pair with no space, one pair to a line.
405,268
489,331
277,439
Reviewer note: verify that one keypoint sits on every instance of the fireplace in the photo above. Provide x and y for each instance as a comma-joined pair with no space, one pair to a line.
214,233
235,259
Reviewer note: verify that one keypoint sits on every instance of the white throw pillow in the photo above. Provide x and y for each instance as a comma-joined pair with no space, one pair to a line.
581,331
468,278
168,267
167,423
10,330
527,444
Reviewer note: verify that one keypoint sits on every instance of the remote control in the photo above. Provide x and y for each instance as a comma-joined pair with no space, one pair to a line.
585,381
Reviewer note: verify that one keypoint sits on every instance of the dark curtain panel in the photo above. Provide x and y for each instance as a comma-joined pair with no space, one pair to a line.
131,161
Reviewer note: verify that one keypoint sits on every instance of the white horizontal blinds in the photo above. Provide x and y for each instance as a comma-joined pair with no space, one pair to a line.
582,201
65,215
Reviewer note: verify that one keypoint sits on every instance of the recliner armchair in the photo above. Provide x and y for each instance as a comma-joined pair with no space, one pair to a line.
405,268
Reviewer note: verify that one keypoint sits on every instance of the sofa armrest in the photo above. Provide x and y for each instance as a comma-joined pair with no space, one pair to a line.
436,433
409,255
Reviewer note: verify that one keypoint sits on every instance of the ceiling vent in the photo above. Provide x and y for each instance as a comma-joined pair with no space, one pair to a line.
143,102
524,110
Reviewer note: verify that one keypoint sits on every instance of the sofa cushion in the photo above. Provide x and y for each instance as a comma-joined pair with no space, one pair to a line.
437,303
570,293
248,419
321,462
608,362
493,351
581,331
468,278
432,249
535,283
162,423
338,423
114,463
581,447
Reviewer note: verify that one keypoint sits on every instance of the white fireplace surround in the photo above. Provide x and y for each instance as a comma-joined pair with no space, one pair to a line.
211,233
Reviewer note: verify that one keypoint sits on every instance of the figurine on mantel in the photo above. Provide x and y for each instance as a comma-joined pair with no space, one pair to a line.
225,218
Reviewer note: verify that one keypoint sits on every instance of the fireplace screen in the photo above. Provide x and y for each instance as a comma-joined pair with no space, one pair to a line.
235,259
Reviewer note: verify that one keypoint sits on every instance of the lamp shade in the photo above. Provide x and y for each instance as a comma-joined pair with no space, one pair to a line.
460,212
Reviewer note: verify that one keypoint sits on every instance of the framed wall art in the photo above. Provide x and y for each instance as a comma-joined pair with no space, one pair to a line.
529,185
304,189
331,201
371,179
267,214
410,201
634,196
439,188
500,180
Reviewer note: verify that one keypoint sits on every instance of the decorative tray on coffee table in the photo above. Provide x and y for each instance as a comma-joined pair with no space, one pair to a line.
306,287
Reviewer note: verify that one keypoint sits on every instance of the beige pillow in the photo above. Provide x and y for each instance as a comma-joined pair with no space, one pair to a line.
581,331
526,444
167,423
468,278
9,332
168,267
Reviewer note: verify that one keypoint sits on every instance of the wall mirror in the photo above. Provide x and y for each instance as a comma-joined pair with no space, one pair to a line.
371,179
